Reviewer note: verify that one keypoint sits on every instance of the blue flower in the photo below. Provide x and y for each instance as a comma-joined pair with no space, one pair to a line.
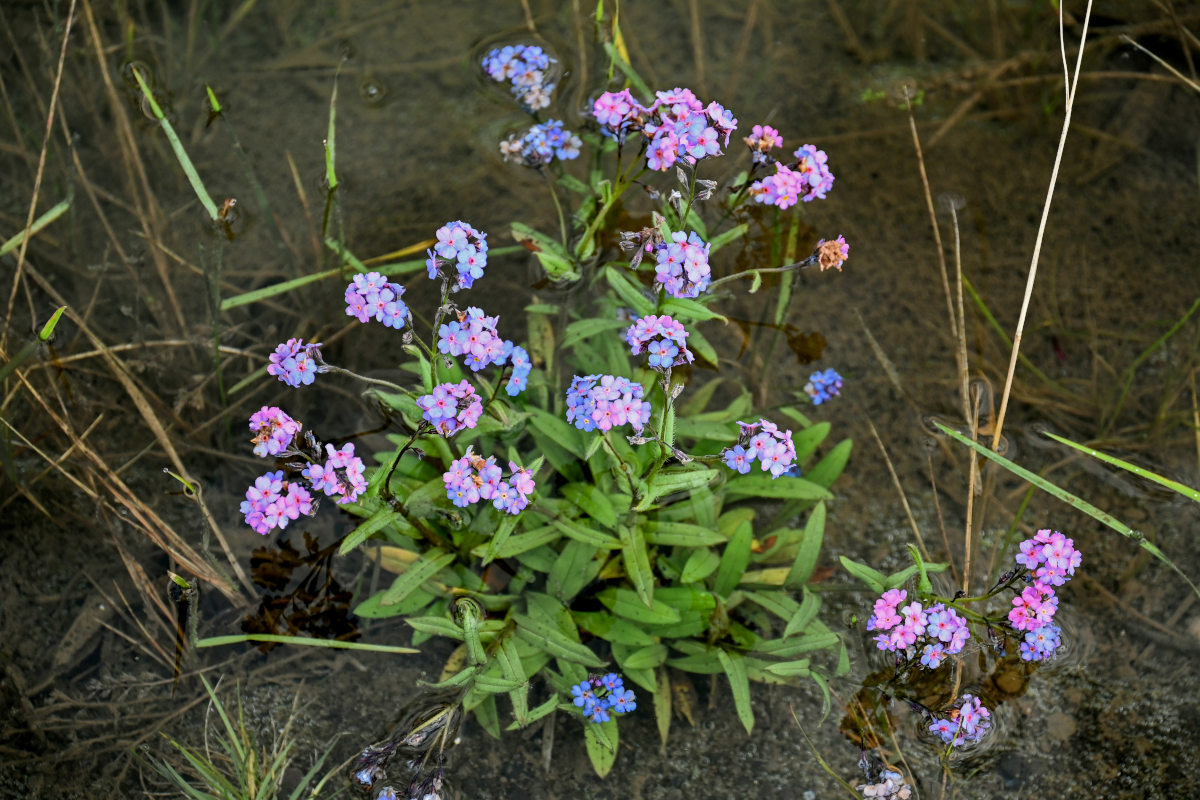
823,385
599,712
612,682
622,701
585,696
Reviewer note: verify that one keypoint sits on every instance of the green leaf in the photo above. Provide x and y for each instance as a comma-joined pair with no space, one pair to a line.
515,545
459,678
625,603
558,430
544,636
637,563
629,293
805,614
810,548
662,706
700,564
790,669
646,657
437,626
875,580
686,310
807,440
830,467
582,533
682,534
1174,486
427,566
575,568
793,646
735,670
669,481
377,521
924,585
544,710
513,670
699,345
601,739
734,560
487,716
611,629
786,488
722,239
593,501
373,608
504,530
584,329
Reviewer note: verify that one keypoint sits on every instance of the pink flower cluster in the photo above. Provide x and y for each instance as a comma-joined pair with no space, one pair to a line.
340,476
293,362
272,502
473,478
273,431
938,630
474,337
682,266
1052,558
451,407
678,126
807,179
369,296
606,401
773,449
663,338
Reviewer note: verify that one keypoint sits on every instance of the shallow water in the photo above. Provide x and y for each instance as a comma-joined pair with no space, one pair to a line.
417,126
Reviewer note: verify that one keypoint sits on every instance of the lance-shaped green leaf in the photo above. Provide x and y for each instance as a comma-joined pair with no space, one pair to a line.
549,252
545,636
376,522
558,430
807,440
778,603
1141,472
601,739
735,670
637,563
612,629
533,715
436,626
810,548
512,669
625,603
503,531
783,488
518,544
662,705
575,567
830,467
583,329
805,614
428,565
588,497
582,533
700,564
875,580
795,645
646,657
790,669
734,560
487,715
468,615
669,481
459,678
688,310
630,294
682,534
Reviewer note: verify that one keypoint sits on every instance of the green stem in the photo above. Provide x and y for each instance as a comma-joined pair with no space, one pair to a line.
562,221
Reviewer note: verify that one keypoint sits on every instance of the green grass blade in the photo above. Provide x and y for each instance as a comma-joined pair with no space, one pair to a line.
39,223
181,155
1070,499
218,641
629,71
1174,486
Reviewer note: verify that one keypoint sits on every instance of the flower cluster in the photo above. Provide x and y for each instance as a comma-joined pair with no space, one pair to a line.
678,127
526,68
464,247
295,363
340,476
541,144
273,431
761,140
682,265
474,337
823,385
807,179
606,401
966,723
1052,558
890,786
272,502
937,631
370,295
773,449
831,255
473,478
451,407
601,694
521,367
663,338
